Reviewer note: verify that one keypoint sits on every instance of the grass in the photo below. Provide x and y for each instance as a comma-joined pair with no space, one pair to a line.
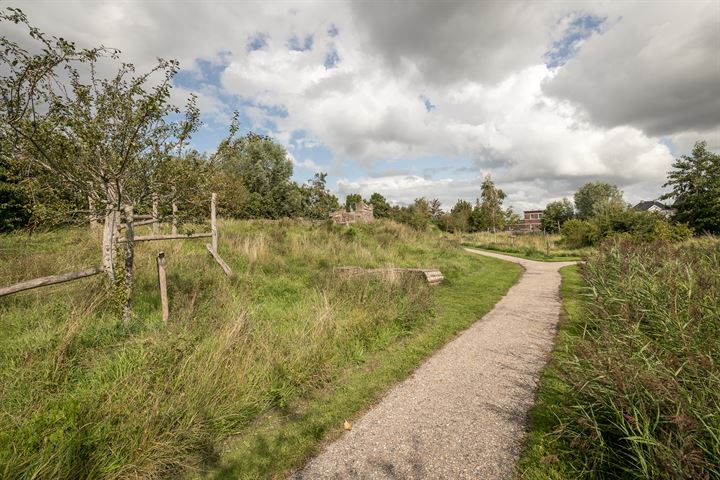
250,374
633,389
531,246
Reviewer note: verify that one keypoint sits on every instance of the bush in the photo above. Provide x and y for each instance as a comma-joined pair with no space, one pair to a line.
617,220
579,233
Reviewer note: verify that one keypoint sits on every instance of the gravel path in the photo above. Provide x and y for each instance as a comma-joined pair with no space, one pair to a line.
462,414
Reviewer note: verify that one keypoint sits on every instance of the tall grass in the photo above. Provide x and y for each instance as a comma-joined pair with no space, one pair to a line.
634,389
82,396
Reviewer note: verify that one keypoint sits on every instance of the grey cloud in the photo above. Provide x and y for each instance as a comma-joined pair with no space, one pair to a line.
453,41
657,69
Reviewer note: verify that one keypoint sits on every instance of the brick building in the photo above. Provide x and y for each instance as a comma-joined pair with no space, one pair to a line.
530,221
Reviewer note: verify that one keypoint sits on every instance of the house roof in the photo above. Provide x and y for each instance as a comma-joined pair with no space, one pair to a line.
645,205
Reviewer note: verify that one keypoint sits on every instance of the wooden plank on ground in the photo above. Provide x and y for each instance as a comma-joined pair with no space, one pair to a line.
432,275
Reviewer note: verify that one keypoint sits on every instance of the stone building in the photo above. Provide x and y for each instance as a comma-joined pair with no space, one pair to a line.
362,212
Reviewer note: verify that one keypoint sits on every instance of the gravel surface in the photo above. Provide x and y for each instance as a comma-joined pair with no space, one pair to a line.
463,413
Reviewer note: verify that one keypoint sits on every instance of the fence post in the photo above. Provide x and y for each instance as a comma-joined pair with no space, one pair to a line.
547,246
162,283
129,259
174,217
155,226
213,221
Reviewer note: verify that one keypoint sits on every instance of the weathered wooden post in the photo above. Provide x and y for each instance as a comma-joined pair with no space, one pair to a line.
547,246
174,217
129,259
213,222
162,284
155,225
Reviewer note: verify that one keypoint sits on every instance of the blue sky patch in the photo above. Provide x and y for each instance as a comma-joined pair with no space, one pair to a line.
257,42
332,30
331,59
578,30
300,46
429,106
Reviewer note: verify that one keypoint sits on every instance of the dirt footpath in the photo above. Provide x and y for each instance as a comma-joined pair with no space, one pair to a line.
462,414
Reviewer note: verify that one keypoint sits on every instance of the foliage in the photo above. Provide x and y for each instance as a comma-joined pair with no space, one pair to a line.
318,202
458,219
556,214
381,208
435,209
695,181
77,135
84,397
263,168
14,202
590,196
634,386
579,233
490,215
351,200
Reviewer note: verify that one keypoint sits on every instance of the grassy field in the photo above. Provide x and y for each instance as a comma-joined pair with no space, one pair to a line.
633,389
532,246
249,375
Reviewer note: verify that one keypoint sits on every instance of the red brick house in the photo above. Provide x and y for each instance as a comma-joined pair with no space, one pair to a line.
530,221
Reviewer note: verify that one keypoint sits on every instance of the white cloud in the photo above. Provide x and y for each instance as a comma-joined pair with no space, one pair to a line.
541,133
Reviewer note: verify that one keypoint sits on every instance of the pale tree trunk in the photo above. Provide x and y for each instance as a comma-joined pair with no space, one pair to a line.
129,260
110,227
155,225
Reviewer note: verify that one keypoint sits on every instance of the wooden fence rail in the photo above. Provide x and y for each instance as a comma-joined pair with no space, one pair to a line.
152,238
49,280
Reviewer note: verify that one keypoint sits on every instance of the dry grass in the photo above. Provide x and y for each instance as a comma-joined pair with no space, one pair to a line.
84,397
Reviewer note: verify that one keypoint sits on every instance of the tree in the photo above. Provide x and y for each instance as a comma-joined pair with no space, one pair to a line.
381,208
318,202
459,218
352,200
555,214
490,213
592,194
435,209
263,168
76,135
512,219
695,181
419,214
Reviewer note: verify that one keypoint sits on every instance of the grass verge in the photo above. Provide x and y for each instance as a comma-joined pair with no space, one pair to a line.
282,440
539,460
85,397
527,255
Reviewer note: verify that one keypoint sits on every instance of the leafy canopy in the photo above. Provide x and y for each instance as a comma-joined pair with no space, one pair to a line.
695,183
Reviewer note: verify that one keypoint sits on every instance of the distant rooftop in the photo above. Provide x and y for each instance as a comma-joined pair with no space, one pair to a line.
646,205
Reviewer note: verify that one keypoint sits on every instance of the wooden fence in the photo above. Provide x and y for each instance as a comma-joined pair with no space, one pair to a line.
129,242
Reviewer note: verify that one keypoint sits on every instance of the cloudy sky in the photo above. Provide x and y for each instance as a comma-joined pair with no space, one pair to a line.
423,98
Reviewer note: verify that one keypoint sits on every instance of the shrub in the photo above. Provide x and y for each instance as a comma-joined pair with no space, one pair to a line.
579,233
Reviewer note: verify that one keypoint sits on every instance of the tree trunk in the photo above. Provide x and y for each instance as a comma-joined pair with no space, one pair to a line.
155,225
129,260
110,227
